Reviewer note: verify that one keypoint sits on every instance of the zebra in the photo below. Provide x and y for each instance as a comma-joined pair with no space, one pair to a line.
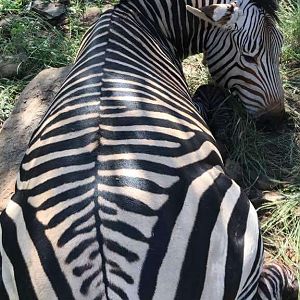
245,36
121,193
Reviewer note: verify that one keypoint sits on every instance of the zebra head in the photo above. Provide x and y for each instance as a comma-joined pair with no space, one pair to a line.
242,52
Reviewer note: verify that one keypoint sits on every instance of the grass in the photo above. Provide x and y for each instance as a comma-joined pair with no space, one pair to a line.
290,23
41,44
8,92
281,227
8,6
275,156
195,72
32,44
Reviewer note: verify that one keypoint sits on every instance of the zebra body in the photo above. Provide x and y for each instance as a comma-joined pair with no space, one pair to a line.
121,193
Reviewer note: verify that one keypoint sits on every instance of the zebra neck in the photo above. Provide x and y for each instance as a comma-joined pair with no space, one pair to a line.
184,33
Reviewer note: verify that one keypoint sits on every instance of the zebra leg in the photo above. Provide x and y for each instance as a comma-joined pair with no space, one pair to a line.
211,104
277,282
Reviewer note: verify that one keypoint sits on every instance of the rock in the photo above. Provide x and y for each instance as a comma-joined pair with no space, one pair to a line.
17,130
10,66
272,196
49,10
106,7
91,15
5,22
8,70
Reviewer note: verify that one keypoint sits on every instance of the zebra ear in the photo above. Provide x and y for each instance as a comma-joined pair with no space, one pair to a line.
220,15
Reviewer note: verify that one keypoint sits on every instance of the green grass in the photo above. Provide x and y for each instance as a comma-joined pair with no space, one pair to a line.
35,45
8,92
195,72
9,6
41,44
289,16
281,227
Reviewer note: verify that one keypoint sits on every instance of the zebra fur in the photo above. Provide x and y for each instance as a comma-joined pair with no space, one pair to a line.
121,193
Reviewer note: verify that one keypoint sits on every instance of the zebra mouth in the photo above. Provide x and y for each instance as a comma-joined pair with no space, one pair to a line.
268,119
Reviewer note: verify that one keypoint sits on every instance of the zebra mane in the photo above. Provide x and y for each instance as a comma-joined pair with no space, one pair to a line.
269,6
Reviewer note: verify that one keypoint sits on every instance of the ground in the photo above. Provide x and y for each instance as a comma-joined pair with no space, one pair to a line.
266,164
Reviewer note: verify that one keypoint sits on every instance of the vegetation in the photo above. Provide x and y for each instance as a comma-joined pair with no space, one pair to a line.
36,44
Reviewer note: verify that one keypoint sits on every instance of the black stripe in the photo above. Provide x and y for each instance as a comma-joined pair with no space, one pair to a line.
235,251
14,253
3,292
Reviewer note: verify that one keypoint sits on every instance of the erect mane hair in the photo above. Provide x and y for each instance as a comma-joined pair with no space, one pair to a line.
269,6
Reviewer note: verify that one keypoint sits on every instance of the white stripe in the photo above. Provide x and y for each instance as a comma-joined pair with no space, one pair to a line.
174,162
53,173
56,105
251,243
159,115
58,154
88,115
140,142
72,75
61,138
37,200
147,128
154,70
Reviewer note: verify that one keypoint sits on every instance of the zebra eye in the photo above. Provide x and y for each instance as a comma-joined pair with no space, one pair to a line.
250,59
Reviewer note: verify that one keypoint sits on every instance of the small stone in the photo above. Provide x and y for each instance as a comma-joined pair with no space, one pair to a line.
272,196
10,65
49,10
9,70
106,7
5,22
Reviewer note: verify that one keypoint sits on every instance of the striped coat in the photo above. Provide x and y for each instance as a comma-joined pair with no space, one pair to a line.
122,193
